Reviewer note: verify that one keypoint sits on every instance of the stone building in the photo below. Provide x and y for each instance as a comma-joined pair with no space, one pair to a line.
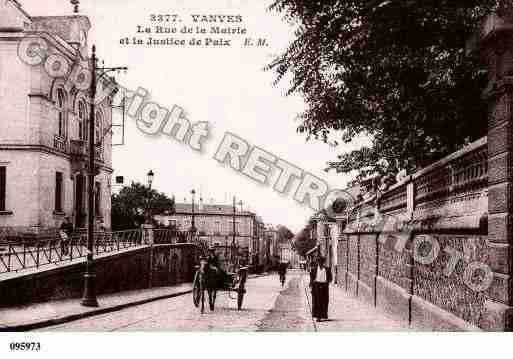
269,250
215,223
288,254
44,106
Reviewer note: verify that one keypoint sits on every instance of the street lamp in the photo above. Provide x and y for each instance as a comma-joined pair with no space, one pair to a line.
149,178
89,298
193,227
234,226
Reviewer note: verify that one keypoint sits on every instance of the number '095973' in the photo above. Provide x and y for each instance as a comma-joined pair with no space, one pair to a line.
25,346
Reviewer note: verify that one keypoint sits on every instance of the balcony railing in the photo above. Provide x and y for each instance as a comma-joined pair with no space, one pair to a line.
77,148
80,149
60,143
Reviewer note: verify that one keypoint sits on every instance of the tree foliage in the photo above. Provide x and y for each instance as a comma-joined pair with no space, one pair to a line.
284,234
303,241
394,70
133,203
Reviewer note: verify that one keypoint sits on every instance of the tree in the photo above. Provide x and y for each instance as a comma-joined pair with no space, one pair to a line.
303,241
130,207
284,234
394,70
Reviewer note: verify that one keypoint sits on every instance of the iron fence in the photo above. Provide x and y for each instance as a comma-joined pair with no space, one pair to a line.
169,236
34,253
165,236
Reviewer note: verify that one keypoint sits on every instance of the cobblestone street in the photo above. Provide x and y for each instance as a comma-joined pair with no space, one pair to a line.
267,307
179,313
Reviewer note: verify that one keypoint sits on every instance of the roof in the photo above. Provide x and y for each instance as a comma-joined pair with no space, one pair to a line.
222,209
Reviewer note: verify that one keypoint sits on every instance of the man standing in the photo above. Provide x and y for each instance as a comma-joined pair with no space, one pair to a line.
213,261
65,232
213,258
320,279
282,271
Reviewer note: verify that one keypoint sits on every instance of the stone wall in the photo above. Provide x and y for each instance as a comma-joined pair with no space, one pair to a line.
444,235
160,265
446,203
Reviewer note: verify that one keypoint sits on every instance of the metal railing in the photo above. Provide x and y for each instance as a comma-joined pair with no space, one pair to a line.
79,149
202,244
17,256
165,236
60,143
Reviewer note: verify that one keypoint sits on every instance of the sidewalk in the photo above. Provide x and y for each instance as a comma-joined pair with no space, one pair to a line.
41,315
347,313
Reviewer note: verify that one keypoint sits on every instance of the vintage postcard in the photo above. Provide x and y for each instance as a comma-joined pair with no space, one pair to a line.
172,166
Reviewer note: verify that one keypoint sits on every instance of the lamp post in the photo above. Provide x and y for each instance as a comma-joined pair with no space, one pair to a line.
89,298
234,226
149,179
193,227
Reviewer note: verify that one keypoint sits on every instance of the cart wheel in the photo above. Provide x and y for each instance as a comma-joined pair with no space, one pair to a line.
196,291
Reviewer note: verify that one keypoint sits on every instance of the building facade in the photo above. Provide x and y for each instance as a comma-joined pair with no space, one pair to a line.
44,123
288,254
215,223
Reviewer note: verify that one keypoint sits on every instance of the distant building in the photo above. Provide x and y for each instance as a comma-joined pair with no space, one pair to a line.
288,254
270,250
44,126
215,223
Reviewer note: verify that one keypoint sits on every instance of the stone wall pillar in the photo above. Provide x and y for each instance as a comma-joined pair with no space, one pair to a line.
147,234
496,46
147,238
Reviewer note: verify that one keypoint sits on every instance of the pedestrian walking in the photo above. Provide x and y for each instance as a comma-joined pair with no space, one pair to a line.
65,232
282,271
320,279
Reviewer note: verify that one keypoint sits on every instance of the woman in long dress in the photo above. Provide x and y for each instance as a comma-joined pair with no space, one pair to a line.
320,279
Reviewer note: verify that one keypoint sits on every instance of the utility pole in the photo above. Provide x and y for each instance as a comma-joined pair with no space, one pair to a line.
89,298
233,240
193,226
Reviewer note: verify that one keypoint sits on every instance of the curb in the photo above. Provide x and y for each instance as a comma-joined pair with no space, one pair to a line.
92,313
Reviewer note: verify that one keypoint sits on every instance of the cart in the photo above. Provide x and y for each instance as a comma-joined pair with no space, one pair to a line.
232,283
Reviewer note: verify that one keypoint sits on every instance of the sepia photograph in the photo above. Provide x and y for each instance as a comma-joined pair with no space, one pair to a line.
308,171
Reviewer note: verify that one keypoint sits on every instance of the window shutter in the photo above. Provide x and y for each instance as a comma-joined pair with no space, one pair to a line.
58,192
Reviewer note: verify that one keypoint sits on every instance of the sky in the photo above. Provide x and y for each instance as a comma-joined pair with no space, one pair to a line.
226,86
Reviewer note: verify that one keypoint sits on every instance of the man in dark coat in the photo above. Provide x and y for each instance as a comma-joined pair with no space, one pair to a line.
320,279
213,261
213,258
282,270
66,231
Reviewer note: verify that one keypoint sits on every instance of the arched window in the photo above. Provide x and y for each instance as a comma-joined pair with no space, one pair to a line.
61,107
82,121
